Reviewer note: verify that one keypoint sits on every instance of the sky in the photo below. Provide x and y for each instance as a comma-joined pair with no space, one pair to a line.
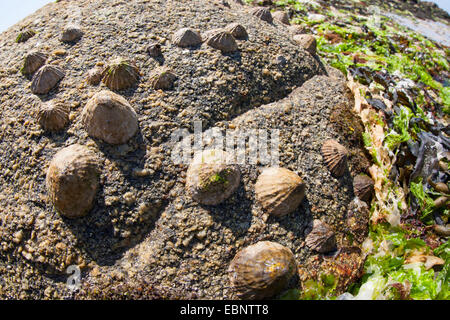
12,11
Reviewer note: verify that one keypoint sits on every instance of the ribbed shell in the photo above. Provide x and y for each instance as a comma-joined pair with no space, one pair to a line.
24,36
335,157
222,40
279,191
46,78
321,238
281,16
210,180
94,76
72,180
53,115
120,74
186,37
237,31
261,270
263,14
162,78
32,62
109,117
363,186
71,33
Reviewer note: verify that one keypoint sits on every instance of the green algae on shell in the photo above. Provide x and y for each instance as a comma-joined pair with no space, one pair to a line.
279,191
53,115
25,35
46,78
32,62
120,74
261,270
109,117
209,179
72,180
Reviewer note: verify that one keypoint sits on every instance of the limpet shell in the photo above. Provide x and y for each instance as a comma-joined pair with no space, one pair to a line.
363,186
53,115
237,31
162,78
32,62
46,78
72,180
186,37
24,36
71,33
209,179
154,50
263,14
357,220
109,117
120,74
222,40
335,157
296,29
281,16
321,238
94,76
279,191
261,270
307,42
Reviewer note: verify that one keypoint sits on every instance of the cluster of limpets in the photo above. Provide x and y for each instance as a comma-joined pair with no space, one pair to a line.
73,177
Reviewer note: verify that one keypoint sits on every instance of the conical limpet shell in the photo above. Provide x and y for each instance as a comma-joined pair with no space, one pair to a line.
109,117
53,115
363,186
261,270
162,78
120,74
24,36
222,40
154,50
263,14
281,16
335,157
296,29
279,191
71,33
307,42
94,76
209,179
72,180
186,37
237,31
321,238
46,78
32,62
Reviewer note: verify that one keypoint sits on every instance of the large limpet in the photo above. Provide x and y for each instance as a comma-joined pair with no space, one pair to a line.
261,270
335,157
32,62
279,191
186,37
120,74
73,180
53,115
46,78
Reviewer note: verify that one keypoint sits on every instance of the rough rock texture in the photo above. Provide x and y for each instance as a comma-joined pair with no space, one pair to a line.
144,235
